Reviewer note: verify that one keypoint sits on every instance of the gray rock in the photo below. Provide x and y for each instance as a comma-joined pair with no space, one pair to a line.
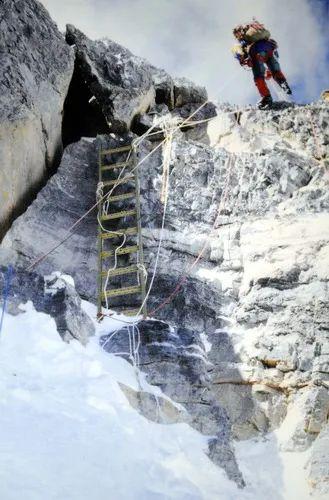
37,66
164,87
64,304
186,92
52,295
67,195
307,413
121,82
176,361
155,408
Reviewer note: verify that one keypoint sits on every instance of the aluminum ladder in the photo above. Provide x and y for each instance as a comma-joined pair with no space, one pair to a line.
118,171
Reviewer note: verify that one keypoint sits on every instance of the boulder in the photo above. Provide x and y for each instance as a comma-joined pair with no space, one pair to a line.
54,295
164,87
64,304
186,92
36,69
121,82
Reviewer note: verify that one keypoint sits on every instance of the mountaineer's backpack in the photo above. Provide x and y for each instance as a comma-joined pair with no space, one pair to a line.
255,31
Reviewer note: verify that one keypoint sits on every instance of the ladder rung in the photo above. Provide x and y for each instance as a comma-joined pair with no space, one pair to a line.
118,215
130,312
120,251
128,231
116,150
116,292
125,196
119,271
116,165
127,178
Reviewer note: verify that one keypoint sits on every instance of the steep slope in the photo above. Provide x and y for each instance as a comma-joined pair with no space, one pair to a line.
241,276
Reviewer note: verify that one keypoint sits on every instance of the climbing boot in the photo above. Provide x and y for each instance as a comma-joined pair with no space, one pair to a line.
285,87
265,103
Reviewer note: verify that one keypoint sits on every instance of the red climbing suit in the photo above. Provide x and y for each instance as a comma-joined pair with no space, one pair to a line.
261,53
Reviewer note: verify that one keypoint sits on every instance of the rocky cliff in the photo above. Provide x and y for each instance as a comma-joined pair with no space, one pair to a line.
241,283
37,67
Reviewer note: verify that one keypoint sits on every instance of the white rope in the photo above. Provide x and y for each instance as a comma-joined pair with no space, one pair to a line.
167,143
166,154
136,143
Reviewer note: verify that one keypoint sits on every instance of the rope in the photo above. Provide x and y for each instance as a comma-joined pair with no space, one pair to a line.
167,143
6,290
200,255
136,142
70,230
133,345
166,162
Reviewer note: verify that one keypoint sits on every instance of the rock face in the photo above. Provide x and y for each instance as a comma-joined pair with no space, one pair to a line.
259,290
122,85
36,68
175,360
53,295
125,86
319,467
61,202
241,261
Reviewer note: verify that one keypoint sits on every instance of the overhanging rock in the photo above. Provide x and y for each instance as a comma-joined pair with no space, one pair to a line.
122,85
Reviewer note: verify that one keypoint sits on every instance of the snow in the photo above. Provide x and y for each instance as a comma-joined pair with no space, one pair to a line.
68,432
271,472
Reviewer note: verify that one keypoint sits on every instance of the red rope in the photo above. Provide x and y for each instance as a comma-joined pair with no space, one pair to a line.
184,278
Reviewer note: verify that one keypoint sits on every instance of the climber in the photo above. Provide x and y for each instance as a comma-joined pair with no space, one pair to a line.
256,48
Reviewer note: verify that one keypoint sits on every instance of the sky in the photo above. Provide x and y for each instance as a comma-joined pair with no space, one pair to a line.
193,38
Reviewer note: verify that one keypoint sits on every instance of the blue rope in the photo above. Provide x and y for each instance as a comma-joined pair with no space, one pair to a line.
6,290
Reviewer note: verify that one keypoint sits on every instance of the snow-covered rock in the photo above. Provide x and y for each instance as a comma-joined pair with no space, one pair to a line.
54,294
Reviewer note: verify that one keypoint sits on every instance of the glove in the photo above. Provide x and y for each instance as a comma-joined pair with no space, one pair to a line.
246,61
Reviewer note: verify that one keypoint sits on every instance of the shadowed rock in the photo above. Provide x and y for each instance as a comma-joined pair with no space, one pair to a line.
176,361
36,68
122,85
52,295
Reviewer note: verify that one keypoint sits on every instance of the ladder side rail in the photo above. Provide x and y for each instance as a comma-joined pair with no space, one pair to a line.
140,255
100,242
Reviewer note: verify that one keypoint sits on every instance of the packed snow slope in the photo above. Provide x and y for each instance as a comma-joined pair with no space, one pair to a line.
68,431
